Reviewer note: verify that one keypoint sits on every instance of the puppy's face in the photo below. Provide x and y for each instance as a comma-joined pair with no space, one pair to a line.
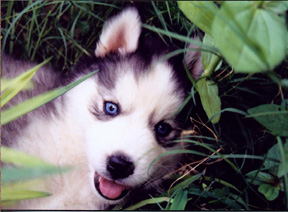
127,111
131,124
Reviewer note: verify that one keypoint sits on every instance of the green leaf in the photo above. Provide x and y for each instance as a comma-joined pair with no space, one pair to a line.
250,38
13,86
18,158
9,83
147,202
262,177
33,103
278,7
201,13
221,192
186,183
210,100
180,200
9,174
273,159
25,166
273,117
269,191
223,183
283,167
8,194
210,61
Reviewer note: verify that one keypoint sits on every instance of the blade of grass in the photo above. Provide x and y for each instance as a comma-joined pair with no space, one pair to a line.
168,10
18,158
223,183
8,195
25,167
18,83
147,202
182,38
186,182
31,104
175,151
160,17
15,20
180,200
65,44
87,11
40,35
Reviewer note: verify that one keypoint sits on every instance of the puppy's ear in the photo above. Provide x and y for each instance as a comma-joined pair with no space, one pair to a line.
120,33
193,60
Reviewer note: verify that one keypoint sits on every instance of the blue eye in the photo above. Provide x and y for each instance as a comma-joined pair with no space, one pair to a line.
163,129
111,108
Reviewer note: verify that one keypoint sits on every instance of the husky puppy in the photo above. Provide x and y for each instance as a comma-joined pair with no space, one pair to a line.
110,127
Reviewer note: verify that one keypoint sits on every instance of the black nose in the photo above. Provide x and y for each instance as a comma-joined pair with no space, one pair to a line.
120,166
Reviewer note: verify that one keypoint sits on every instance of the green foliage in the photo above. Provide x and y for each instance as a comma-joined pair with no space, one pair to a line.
250,38
201,13
271,177
273,117
180,200
210,100
241,32
146,202
208,90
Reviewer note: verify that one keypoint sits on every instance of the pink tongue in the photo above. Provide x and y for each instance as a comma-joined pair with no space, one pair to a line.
110,189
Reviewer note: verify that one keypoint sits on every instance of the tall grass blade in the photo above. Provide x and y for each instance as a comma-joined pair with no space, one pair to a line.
14,86
15,20
31,104
9,196
147,202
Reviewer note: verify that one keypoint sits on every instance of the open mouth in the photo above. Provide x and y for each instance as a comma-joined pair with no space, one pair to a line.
109,189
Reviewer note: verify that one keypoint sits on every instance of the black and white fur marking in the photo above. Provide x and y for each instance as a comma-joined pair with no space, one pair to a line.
110,127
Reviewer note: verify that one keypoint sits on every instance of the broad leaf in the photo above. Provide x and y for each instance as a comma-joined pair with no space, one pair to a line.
200,13
262,177
210,100
278,7
269,191
273,159
250,38
273,117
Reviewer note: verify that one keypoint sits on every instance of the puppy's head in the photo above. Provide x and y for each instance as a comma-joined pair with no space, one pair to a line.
132,109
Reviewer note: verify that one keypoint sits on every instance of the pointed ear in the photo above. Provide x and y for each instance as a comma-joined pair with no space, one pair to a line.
120,34
193,60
